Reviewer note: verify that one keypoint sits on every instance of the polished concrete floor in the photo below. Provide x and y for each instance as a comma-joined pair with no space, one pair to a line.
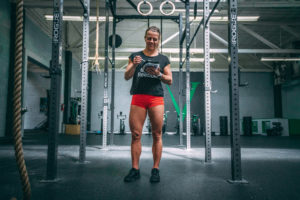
271,165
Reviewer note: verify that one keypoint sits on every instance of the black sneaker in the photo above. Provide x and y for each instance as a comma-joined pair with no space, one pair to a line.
155,178
133,175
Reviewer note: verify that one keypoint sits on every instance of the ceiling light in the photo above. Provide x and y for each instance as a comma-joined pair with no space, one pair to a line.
192,10
103,18
200,1
225,18
279,59
192,59
171,59
117,58
79,18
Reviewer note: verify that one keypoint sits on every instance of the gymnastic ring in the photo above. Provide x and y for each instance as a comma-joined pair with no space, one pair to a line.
167,2
150,8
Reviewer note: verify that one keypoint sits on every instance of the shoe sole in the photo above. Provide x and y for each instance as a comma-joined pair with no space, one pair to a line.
154,181
128,181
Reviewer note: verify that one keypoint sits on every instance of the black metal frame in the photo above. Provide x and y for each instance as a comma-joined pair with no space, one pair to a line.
68,83
180,93
55,73
113,72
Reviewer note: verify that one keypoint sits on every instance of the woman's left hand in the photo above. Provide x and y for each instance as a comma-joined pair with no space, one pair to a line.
153,71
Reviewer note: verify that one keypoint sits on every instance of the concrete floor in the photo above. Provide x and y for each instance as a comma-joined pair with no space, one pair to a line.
271,165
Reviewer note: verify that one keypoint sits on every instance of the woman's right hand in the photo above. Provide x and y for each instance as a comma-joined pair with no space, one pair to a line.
137,60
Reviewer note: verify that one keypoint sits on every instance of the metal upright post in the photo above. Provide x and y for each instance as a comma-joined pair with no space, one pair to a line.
180,82
84,81
105,96
161,35
207,82
187,64
55,72
112,104
68,82
236,169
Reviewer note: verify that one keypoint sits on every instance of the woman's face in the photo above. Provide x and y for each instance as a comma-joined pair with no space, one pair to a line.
152,40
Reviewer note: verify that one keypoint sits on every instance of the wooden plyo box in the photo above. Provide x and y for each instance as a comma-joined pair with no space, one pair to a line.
72,129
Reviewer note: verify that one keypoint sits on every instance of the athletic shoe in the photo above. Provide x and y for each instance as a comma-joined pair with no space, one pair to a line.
133,175
155,178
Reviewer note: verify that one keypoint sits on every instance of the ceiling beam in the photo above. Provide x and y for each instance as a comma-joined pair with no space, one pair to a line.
265,64
290,31
266,23
219,38
259,37
78,43
269,4
242,4
200,50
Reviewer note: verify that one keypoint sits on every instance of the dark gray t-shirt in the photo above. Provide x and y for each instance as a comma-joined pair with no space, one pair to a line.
144,83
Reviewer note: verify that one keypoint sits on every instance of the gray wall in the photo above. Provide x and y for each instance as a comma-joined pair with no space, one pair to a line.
256,100
36,88
39,47
291,100
122,98
37,44
76,79
4,60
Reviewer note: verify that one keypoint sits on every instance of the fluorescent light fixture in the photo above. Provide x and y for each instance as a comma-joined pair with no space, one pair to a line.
117,58
225,18
192,59
171,59
192,10
278,59
201,1
79,18
213,18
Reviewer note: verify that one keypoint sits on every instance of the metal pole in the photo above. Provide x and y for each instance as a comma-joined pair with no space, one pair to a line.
180,82
112,105
187,64
207,82
84,81
161,35
236,169
105,96
55,72
68,83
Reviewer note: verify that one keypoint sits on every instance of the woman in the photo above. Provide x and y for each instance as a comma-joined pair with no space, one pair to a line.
148,68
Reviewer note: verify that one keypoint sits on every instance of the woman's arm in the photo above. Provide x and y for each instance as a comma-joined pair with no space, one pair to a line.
167,75
130,69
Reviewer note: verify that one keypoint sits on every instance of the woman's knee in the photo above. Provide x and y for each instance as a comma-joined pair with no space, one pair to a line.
156,135
136,136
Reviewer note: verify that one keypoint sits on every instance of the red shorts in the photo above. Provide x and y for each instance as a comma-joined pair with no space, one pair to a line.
146,101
